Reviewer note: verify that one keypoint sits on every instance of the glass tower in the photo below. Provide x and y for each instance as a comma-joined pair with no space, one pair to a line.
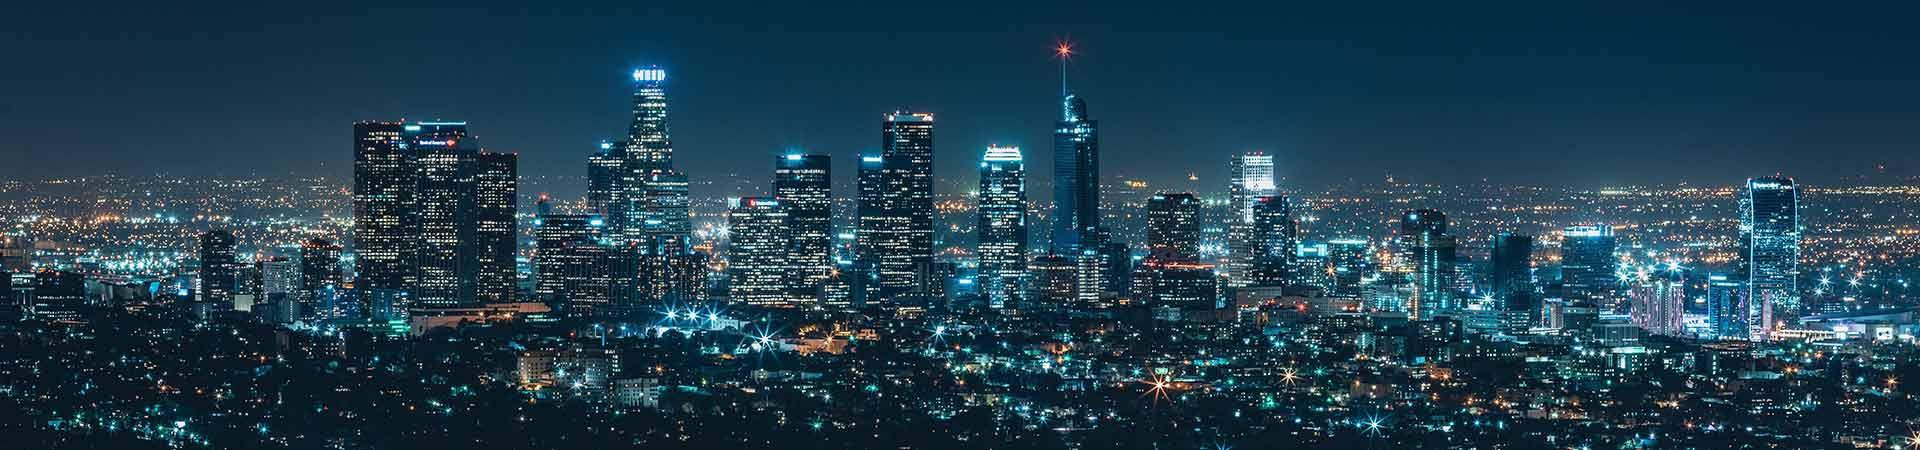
757,253
1770,237
1076,177
386,218
1003,226
1587,263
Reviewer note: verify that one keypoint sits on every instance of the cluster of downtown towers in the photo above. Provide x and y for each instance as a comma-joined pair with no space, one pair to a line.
435,228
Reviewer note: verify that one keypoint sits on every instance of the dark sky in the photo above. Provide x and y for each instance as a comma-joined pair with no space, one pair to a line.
1536,92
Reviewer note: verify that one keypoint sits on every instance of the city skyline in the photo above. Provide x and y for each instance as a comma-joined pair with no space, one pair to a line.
1192,263
1483,115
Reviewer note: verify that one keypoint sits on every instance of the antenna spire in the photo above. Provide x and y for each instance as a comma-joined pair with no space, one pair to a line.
1064,50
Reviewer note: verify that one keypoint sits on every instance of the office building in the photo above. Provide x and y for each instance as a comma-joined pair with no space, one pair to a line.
1002,228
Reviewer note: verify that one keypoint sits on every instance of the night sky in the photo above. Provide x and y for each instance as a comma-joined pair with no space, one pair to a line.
1540,92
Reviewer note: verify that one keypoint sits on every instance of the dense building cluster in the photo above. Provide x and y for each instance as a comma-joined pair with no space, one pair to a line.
1238,314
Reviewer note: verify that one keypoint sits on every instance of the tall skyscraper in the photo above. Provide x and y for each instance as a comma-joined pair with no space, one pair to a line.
1076,176
217,269
648,222
896,206
386,218
570,260
1173,227
1274,241
1770,237
319,280
448,265
1429,254
757,253
1251,176
495,200
804,186
1509,271
1003,226
1588,265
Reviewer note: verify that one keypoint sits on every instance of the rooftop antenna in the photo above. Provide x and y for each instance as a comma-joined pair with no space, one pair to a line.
1064,50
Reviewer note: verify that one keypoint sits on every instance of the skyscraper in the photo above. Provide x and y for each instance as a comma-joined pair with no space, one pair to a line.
1076,176
495,200
1003,226
1429,254
1770,237
446,198
1251,177
386,218
603,172
1509,271
570,261
1273,241
319,280
896,206
1726,314
1659,303
217,269
1588,265
757,253
804,186
1173,227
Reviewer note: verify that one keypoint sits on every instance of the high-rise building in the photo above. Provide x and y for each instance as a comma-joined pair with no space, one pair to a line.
495,201
1251,176
1510,268
386,217
1274,241
1726,314
570,259
1076,177
1350,259
603,173
1659,304
803,184
906,143
1588,264
1002,229
446,203
1173,227
1770,238
217,269
320,281
895,227
1312,265
757,253
1429,255
1054,280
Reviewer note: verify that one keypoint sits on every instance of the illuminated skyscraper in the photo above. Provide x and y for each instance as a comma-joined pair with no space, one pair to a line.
494,242
1588,265
319,280
1770,237
757,253
1003,226
1076,177
217,269
1429,254
804,186
386,219
1273,238
1251,178
896,207
446,199
570,262
1173,227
